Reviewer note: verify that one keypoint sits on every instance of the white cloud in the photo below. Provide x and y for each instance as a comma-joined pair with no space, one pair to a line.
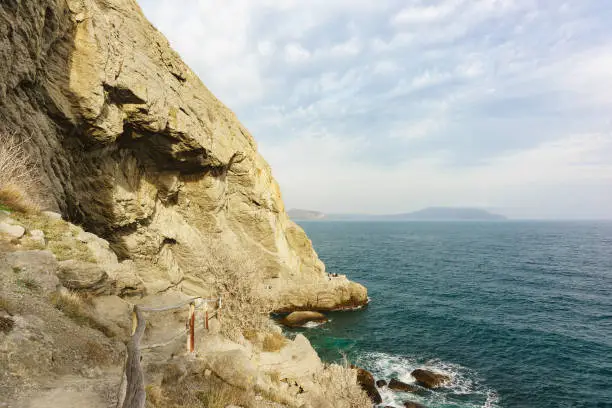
412,184
295,53
393,105
426,14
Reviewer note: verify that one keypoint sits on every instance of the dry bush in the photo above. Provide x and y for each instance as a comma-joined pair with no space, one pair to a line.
70,303
197,391
235,277
222,396
155,396
339,384
19,181
274,342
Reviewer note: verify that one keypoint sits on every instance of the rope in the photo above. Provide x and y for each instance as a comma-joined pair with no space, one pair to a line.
151,346
179,305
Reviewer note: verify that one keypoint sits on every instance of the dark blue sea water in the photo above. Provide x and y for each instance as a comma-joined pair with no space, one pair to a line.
519,312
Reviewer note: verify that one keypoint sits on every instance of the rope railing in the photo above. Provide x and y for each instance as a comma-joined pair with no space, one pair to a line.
132,389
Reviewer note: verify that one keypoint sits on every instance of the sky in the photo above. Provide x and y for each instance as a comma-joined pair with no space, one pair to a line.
388,106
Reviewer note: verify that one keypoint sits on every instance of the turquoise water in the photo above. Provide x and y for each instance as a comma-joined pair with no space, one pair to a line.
519,312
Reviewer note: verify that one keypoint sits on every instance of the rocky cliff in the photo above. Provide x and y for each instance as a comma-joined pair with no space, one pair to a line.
133,147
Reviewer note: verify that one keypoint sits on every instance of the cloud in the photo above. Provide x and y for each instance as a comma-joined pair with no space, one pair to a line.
393,105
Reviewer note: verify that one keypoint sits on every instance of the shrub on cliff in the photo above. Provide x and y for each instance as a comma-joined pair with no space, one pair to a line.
235,277
339,384
18,179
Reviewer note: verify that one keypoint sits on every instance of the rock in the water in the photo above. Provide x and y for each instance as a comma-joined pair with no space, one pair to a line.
412,404
13,231
298,319
381,383
366,380
402,386
430,379
83,277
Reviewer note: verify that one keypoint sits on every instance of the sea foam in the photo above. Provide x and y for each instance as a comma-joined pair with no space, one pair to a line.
464,382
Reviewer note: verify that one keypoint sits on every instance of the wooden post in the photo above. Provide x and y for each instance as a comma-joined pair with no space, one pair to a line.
135,395
206,315
191,337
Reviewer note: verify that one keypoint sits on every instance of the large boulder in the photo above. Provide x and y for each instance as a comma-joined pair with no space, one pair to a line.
402,386
366,380
430,379
41,266
299,319
84,277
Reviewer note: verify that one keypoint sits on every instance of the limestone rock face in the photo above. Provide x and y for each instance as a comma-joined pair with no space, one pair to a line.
134,147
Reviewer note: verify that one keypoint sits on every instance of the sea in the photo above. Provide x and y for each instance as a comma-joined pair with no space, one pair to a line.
519,313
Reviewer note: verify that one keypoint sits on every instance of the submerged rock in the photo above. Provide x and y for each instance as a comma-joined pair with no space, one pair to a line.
366,380
412,404
299,319
430,379
402,386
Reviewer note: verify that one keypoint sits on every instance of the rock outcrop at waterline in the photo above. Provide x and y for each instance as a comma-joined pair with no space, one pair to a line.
132,146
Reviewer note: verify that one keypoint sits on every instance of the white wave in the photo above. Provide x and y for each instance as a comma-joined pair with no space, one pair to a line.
463,381
310,325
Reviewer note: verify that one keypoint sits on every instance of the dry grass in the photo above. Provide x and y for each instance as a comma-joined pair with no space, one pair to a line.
274,342
79,310
197,391
275,377
222,396
19,183
6,305
235,277
339,384
60,236
29,283
155,396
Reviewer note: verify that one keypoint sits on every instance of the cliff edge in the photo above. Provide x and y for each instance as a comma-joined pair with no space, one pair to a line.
132,146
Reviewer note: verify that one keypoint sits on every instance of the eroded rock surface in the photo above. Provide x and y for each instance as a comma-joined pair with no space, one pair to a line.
133,146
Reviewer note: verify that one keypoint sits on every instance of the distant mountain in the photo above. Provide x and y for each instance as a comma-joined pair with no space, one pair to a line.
297,214
448,214
426,214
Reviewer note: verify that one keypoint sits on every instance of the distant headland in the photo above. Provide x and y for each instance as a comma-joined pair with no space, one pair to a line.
426,214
